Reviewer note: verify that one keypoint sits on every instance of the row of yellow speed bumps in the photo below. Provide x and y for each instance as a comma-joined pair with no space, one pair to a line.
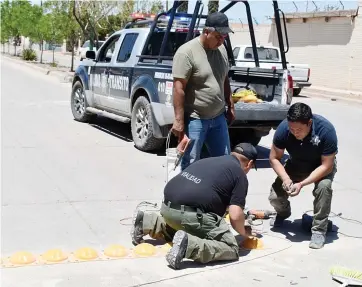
57,256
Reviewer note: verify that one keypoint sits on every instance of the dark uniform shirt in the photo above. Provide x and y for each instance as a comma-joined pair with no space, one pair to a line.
210,184
305,155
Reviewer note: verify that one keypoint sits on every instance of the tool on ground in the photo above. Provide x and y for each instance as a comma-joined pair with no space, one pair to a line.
346,276
181,148
253,215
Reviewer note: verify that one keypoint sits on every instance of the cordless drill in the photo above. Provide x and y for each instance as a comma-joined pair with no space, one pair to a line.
181,148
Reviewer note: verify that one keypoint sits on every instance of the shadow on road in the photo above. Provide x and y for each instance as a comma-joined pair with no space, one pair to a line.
294,232
263,157
122,131
112,127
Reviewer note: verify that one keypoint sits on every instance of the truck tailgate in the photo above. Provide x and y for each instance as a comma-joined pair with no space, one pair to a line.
299,72
260,112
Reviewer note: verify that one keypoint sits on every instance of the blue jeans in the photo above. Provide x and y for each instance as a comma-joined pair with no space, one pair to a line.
213,133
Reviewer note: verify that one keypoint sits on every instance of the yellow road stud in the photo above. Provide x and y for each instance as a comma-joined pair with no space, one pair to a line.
167,246
252,243
86,253
54,255
115,251
145,249
22,257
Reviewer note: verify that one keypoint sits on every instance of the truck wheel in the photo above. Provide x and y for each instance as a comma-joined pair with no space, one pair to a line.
78,102
296,92
142,126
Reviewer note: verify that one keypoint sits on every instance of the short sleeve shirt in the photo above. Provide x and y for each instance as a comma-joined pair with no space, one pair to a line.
205,72
210,184
306,154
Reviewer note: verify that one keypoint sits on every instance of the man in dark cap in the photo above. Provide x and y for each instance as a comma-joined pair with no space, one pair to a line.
202,91
194,204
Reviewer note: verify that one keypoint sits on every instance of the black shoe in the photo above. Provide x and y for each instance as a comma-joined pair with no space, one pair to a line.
277,221
137,228
178,251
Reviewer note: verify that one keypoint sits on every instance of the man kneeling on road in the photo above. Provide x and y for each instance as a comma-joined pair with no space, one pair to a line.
311,142
194,204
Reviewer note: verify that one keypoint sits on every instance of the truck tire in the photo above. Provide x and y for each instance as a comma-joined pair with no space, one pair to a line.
142,126
296,92
78,103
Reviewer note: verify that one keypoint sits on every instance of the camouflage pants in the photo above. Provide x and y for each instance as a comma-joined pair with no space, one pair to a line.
209,236
322,193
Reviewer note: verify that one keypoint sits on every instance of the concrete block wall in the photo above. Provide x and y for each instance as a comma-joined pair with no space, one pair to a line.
333,49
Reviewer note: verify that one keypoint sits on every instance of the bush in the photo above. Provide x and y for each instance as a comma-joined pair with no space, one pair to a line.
29,55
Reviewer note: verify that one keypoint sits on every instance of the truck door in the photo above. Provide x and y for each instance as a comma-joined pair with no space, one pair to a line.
100,72
120,73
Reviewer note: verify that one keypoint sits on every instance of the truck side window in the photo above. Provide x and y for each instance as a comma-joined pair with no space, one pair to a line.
106,53
126,47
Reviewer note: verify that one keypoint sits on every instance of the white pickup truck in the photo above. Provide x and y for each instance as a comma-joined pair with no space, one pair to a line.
269,57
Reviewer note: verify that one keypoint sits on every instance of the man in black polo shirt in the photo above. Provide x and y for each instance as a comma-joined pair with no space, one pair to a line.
311,142
195,202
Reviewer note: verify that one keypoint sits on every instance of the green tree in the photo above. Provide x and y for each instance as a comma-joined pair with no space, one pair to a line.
213,6
184,7
88,14
5,8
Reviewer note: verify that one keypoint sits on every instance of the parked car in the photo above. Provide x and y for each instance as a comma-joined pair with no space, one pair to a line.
82,51
269,57
130,80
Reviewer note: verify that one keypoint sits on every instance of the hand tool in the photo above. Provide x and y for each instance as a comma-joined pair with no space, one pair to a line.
181,148
259,214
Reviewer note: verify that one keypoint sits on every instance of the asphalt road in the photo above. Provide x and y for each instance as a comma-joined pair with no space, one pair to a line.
67,185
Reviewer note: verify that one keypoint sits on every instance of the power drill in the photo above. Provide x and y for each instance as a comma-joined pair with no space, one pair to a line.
181,148
259,214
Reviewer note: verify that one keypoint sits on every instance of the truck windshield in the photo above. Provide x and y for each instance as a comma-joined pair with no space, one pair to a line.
263,53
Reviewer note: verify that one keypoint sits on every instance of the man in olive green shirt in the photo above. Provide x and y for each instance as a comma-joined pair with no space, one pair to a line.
202,91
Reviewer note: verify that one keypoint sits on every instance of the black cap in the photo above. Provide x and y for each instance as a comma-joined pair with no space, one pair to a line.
247,150
219,21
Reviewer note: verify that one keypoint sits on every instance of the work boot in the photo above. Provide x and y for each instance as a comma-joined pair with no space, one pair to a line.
317,241
277,221
137,228
178,251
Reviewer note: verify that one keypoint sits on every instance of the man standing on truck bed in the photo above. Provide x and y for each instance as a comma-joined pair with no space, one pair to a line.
311,142
193,207
202,90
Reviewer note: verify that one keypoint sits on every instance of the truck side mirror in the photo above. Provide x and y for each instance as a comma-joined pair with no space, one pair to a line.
90,54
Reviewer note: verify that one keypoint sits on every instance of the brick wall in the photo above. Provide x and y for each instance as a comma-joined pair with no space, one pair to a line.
333,49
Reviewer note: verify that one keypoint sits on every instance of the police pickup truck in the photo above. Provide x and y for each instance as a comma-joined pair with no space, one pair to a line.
129,79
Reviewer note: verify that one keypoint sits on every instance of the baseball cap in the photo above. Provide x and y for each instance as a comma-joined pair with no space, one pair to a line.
247,150
220,22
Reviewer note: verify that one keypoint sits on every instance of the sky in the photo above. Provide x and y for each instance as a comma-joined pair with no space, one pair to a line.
262,9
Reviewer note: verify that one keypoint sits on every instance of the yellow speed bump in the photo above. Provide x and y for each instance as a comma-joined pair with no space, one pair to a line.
252,243
86,253
145,249
22,258
115,251
166,247
54,255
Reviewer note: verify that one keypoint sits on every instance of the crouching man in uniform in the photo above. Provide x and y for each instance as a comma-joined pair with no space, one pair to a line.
194,204
311,142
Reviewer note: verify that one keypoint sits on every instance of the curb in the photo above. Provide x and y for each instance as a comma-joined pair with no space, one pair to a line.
64,77
346,98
